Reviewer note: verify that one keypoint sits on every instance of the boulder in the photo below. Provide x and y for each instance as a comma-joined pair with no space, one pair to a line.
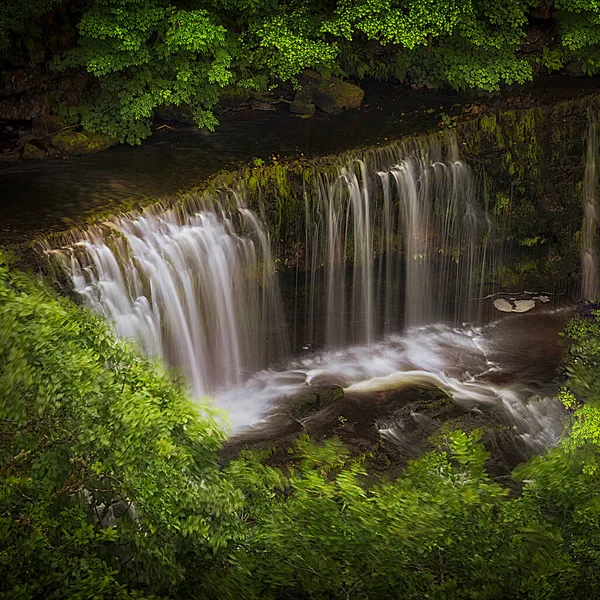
32,152
81,142
329,94
301,107
337,96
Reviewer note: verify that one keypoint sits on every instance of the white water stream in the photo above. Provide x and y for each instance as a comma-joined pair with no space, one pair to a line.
483,367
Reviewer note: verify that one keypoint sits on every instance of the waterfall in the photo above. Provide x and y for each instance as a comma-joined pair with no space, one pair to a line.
190,290
393,238
413,234
589,255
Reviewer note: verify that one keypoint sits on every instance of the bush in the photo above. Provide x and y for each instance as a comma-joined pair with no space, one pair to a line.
90,431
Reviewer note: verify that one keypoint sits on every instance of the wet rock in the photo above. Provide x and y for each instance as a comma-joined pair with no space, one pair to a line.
574,69
32,152
235,98
516,306
329,94
315,399
302,107
80,142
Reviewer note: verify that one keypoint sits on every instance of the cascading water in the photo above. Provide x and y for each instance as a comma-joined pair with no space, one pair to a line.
393,239
189,290
413,233
589,255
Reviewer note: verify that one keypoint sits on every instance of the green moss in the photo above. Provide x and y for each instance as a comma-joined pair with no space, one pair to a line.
252,184
79,142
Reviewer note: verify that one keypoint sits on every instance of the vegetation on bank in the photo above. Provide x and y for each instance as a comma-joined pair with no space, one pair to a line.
110,487
148,54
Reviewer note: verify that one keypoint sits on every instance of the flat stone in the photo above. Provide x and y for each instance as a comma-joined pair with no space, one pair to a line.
516,306
9,157
263,106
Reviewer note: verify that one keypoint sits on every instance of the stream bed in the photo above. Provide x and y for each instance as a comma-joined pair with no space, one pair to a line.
401,390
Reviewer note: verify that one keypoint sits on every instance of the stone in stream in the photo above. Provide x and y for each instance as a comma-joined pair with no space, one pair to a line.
81,142
302,106
329,94
516,306
32,152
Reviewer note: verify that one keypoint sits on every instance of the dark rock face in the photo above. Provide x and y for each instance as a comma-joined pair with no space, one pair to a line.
178,114
24,107
48,125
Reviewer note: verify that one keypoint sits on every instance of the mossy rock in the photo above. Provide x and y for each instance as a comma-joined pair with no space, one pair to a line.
330,94
80,142
32,152
304,109
232,98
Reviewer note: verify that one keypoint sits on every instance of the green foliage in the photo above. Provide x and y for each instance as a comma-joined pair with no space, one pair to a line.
90,430
442,530
466,45
578,23
110,488
147,54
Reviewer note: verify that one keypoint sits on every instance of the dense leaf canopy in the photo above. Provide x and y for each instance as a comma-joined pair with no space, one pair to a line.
151,53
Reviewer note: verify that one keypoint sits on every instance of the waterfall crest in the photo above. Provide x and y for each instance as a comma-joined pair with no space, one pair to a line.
395,244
